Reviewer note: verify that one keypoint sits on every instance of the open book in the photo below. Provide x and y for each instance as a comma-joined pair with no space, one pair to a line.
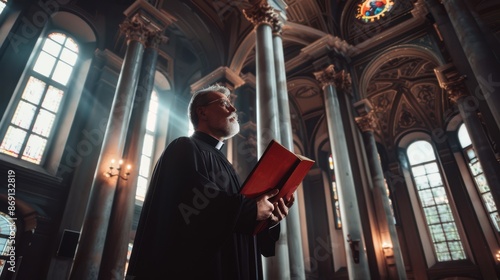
277,168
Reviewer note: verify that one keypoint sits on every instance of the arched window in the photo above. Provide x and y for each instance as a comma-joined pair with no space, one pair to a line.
7,234
147,148
433,199
477,173
39,105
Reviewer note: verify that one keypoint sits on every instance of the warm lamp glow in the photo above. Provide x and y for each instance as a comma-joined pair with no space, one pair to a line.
387,248
112,173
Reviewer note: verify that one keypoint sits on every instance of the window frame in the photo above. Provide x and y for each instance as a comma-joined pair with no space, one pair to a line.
418,212
467,162
17,97
154,135
7,245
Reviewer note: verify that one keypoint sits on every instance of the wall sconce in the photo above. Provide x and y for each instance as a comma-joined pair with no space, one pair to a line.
111,172
497,256
388,252
354,245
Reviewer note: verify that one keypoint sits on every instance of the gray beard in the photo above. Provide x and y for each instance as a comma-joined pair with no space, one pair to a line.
233,129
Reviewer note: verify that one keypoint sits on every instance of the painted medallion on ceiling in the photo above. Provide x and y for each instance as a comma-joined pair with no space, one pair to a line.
372,10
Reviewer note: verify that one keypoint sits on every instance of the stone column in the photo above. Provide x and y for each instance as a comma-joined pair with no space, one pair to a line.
385,218
480,56
454,85
297,269
357,261
263,16
92,239
122,213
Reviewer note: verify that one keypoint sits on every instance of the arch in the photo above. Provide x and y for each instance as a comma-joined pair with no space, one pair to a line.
409,137
24,212
393,53
75,25
292,32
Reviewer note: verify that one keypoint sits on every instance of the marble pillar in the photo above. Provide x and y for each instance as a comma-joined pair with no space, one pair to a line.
294,236
479,54
454,85
384,213
356,257
122,213
89,254
263,16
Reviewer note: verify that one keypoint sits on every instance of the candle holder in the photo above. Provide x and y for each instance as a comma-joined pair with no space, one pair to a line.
116,171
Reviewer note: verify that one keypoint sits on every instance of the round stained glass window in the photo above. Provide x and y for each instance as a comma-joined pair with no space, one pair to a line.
372,10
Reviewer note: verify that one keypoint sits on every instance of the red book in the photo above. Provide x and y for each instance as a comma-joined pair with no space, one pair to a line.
277,168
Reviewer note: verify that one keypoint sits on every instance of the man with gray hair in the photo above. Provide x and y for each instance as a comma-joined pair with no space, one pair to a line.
195,224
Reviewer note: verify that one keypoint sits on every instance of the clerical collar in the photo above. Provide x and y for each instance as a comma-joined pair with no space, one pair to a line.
208,139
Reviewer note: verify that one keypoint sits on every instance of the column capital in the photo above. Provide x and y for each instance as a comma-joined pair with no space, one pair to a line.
328,76
155,39
366,123
144,21
451,81
134,30
262,13
277,26
366,120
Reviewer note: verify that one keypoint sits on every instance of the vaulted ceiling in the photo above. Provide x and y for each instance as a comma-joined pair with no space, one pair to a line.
397,79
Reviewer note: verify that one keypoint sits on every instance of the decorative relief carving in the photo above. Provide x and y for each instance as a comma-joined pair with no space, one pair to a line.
155,39
451,81
341,80
455,89
277,25
134,30
426,96
381,108
405,95
406,119
366,123
262,14
306,92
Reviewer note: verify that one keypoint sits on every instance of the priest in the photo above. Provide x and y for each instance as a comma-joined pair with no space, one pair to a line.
194,223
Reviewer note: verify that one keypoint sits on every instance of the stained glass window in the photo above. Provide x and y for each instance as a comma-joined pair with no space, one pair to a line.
35,115
8,231
479,180
434,201
372,10
147,148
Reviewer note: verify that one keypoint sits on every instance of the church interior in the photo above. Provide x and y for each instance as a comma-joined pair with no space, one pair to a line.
397,101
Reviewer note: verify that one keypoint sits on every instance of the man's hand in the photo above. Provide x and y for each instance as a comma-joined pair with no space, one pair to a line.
264,207
281,209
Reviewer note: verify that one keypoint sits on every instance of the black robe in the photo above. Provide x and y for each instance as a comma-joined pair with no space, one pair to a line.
194,223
